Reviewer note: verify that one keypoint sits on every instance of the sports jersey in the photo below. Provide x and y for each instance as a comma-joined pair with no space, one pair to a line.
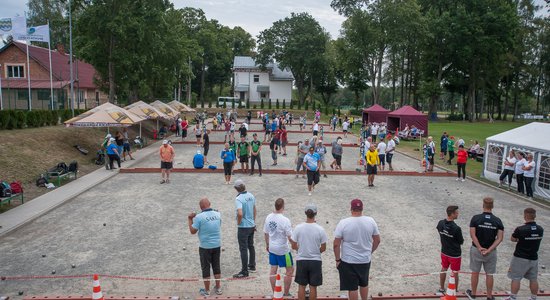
278,227
255,145
529,237
208,223
451,238
243,148
246,201
487,226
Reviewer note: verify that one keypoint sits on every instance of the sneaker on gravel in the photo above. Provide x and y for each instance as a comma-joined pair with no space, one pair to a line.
218,291
240,275
440,292
470,295
204,292
252,269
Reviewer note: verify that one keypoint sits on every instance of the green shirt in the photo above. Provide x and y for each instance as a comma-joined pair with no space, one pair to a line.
255,145
451,146
233,146
243,148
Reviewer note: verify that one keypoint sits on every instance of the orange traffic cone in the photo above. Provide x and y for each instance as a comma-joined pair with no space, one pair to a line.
451,289
97,294
278,292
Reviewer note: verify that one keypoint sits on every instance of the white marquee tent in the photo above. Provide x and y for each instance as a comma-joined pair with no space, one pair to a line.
531,138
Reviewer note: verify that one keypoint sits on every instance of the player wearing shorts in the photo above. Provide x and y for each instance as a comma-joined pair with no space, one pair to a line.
243,149
312,163
167,155
355,239
451,241
525,262
373,160
310,240
486,231
228,157
277,233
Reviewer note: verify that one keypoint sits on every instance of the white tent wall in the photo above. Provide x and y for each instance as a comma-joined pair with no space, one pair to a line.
499,146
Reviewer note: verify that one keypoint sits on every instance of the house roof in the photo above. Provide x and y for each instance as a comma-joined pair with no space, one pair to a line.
21,83
528,136
376,108
276,73
60,65
406,110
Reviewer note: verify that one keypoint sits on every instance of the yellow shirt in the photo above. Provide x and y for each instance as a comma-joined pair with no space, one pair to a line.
372,158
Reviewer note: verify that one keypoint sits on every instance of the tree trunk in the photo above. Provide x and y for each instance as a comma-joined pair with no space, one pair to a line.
402,80
506,98
379,76
203,75
515,102
111,70
300,87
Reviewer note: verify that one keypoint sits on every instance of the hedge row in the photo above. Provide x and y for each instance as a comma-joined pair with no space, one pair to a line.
18,119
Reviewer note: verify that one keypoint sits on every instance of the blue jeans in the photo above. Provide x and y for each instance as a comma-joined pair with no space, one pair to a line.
245,236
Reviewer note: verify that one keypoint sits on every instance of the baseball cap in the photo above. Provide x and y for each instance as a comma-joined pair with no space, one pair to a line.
108,136
165,142
312,207
238,182
356,204
112,139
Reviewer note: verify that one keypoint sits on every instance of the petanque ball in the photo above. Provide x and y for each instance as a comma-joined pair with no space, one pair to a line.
327,222
43,255
184,248
53,272
223,249
73,266
379,294
20,293
104,224
541,291
543,267
3,278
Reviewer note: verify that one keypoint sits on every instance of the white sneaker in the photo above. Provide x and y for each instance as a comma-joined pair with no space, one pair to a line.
309,194
457,179
463,180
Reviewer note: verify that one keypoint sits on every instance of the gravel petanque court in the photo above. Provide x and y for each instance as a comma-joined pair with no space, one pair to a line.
133,226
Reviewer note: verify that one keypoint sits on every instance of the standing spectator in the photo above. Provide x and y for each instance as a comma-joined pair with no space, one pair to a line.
206,145
451,149
249,116
284,139
381,149
302,151
255,148
372,161
322,151
508,170
519,172
208,225
461,160
355,239
243,149
525,262
126,144
390,149
486,231
119,140
243,130
198,133
312,162
245,204
451,241
345,127
315,128
227,127
310,240
430,154
277,233
443,147
112,153
374,131
184,126
273,148
304,121
178,127
228,156
337,151
382,131
529,174
167,155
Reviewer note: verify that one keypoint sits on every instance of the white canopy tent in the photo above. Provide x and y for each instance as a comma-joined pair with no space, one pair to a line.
531,138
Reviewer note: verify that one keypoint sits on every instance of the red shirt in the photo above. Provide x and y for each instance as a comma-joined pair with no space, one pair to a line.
184,125
462,156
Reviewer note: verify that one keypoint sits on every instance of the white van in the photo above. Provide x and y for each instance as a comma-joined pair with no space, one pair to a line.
228,102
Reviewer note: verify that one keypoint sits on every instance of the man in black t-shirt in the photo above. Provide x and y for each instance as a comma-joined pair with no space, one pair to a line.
525,263
487,232
243,130
451,240
255,148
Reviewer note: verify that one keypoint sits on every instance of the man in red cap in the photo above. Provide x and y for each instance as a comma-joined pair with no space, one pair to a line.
355,239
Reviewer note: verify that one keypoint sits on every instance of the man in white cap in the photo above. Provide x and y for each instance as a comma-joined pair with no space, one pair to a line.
245,205
167,155
310,240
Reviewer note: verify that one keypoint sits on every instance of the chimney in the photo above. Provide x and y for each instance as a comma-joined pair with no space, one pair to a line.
60,48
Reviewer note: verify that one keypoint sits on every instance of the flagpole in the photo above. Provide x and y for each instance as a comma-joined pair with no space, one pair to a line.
29,76
50,56
1,99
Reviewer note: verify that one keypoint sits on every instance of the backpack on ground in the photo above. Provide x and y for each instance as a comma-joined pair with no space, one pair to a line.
16,187
73,166
41,182
5,189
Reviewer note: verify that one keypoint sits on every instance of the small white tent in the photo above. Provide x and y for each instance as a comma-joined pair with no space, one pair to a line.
531,138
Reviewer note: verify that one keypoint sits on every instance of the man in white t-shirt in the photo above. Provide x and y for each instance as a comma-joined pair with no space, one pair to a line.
345,127
315,128
382,153
520,156
277,233
390,149
374,131
310,240
355,239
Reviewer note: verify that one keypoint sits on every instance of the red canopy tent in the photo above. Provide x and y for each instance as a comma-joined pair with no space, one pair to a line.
398,119
375,113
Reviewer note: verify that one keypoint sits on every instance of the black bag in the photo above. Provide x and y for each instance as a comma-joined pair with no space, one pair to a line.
60,169
41,182
73,166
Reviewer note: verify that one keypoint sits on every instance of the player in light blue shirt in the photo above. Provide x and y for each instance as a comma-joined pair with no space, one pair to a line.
312,161
245,205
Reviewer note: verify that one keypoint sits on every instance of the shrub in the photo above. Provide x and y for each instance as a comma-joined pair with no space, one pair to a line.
339,113
284,103
262,103
355,112
54,117
248,103
291,104
326,109
307,106
33,119
233,103
313,105
5,116
277,104
299,105
254,106
21,119
455,117
269,104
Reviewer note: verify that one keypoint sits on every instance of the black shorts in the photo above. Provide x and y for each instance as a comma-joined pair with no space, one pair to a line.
371,170
315,132
126,147
381,157
345,130
243,158
444,151
206,150
389,156
227,168
198,136
338,159
210,258
353,276
309,272
166,165
184,133
312,176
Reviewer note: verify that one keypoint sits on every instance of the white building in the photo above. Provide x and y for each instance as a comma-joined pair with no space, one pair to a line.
251,82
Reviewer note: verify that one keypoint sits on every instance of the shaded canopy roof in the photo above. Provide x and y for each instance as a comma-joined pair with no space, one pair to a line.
105,115
146,111
376,108
165,109
533,135
406,110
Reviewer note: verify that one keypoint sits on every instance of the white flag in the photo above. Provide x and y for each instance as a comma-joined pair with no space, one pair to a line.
36,34
14,26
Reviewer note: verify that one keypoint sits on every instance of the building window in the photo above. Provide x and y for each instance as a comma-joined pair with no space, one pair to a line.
256,78
23,95
43,94
544,172
263,95
16,71
80,97
494,159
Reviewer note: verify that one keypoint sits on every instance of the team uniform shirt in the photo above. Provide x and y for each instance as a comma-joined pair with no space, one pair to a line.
208,223
309,237
487,226
246,201
374,130
303,147
255,146
511,160
530,172
243,148
451,146
519,166
444,143
529,238
311,160
278,228
451,238
381,148
356,234
316,127
166,153
372,158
